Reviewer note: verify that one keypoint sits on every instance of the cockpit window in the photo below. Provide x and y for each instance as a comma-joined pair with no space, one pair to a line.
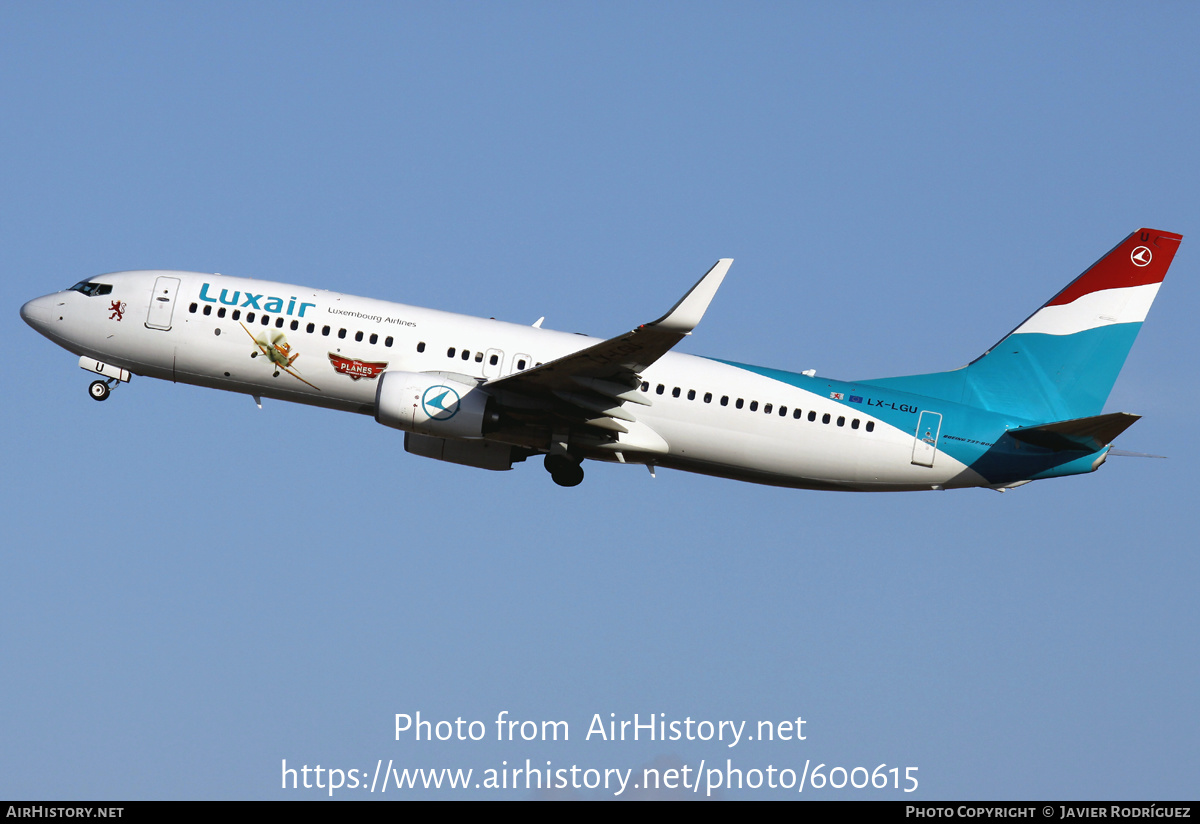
91,289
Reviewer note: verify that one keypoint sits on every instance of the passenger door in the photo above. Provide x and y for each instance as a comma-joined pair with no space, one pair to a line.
162,303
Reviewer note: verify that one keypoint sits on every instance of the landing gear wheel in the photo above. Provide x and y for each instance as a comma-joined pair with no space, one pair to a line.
571,476
564,471
99,390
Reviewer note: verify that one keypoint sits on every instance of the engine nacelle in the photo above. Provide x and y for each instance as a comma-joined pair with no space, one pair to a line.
431,405
480,453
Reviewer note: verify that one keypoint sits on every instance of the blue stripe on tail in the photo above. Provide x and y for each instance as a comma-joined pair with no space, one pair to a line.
1033,376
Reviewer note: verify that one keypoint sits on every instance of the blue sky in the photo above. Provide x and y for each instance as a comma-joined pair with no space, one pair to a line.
193,590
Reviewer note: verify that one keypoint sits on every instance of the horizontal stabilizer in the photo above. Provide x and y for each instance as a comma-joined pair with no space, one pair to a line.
1124,453
1079,434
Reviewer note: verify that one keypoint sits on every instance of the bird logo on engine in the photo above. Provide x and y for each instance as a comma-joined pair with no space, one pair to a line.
440,403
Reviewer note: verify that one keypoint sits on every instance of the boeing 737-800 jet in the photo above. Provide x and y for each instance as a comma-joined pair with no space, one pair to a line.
488,394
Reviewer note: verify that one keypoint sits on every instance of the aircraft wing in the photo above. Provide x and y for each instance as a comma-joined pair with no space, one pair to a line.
591,386
627,354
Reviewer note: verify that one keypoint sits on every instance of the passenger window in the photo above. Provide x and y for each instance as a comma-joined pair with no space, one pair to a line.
854,424
521,364
279,322
295,325
724,400
450,352
373,339
660,389
466,354
493,360
645,386
753,406
191,308
740,403
342,334
311,328
841,420
387,341
420,346
767,409
358,336
870,426
708,397
207,309
479,357
221,312
237,313
796,413
812,415
825,418
675,392
691,394
783,411
325,331
266,320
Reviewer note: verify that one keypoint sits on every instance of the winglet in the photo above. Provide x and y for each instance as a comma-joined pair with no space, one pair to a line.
684,316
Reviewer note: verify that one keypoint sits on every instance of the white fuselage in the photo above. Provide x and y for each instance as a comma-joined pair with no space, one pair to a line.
328,349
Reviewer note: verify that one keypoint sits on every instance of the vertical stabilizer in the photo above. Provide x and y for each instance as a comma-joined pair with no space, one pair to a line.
1062,362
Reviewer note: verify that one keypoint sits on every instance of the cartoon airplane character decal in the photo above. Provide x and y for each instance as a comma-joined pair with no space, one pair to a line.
278,351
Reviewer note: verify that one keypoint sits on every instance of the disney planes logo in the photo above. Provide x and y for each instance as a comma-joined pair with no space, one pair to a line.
357,369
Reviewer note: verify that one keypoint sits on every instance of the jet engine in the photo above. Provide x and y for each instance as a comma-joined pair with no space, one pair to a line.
432,404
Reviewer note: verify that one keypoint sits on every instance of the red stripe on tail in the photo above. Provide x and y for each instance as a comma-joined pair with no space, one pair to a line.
1141,258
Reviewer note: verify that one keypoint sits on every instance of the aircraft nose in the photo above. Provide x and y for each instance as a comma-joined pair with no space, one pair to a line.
37,312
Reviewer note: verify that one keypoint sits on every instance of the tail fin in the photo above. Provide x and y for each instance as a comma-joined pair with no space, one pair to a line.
1062,362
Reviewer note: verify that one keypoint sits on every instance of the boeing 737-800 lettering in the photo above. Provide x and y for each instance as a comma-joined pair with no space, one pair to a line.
489,394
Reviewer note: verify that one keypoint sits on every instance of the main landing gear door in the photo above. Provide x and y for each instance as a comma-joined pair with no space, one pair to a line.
925,447
162,303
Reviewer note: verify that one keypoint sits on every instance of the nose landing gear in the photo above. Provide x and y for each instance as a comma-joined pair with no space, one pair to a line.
100,390
564,470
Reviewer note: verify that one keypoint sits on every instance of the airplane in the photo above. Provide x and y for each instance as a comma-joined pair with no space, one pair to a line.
489,394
